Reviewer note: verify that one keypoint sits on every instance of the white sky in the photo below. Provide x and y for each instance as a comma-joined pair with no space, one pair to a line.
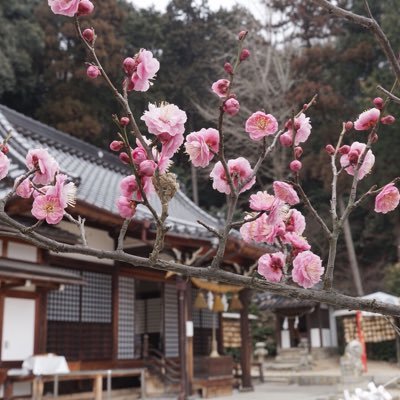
252,5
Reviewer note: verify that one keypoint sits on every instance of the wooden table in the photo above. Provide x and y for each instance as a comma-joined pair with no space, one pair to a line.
95,375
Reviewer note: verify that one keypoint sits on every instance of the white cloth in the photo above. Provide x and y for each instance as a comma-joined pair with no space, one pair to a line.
46,364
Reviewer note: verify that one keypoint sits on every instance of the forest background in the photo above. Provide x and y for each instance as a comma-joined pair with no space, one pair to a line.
300,52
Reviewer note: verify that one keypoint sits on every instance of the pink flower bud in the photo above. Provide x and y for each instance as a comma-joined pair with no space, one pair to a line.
353,156
388,120
129,65
88,35
147,168
124,158
85,7
93,72
348,125
228,68
4,148
124,121
286,140
298,151
116,145
295,166
244,55
344,149
231,106
378,103
242,35
374,138
330,149
139,155
305,107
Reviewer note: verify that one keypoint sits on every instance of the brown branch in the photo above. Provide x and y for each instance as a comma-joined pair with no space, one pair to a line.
210,229
238,224
391,96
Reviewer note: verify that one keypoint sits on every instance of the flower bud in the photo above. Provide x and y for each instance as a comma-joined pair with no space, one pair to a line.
245,53
139,155
295,166
298,151
4,148
124,158
378,103
305,107
353,157
116,145
388,120
242,35
129,65
231,106
348,125
147,168
228,68
85,7
344,149
374,138
88,35
93,72
286,140
330,149
124,121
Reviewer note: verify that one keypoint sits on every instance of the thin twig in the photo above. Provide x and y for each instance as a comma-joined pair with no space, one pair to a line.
122,233
391,96
210,229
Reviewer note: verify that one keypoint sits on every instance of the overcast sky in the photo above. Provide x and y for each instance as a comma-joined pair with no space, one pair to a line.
160,5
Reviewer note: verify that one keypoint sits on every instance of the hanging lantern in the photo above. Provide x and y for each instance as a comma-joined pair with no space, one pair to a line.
200,301
218,306
236,304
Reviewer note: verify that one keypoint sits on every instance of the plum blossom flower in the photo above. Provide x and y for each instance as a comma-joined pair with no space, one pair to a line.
201,146
388,199
307,269
64,7
167,118
220,87
48,207
367,119
295,222
4,165
239,170
126,207
349,161
64,192
298,242
231,106
286,193
46,166
128,186
303,129
147,168
141,69
260,230
170,144
259,125
25,188
270,266
261,201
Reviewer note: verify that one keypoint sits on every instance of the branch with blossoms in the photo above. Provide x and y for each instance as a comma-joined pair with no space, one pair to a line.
291,269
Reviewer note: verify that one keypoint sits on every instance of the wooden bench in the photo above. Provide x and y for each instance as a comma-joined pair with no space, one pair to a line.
96,376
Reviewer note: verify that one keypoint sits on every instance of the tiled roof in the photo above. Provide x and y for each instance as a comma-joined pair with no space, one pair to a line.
98,172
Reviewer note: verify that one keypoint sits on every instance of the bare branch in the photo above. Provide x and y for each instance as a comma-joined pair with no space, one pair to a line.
391,96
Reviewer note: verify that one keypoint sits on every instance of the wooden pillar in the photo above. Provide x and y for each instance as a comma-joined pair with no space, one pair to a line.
189,340
278,332
182,309
320,325
246,349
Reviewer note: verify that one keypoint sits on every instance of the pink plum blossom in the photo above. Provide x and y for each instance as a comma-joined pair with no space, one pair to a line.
201,146
298,242
126,207
231,106
270,266
128,185
220,87
47,207
388,199
303,129
25,188
144,68
64,7
286,193
261,201
367,119
44,164
93,71
307,269
147,168
85,7
64,192
259,125
170,144
167,118
295,222
260,230
239,170
139,155
4,165
349,161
